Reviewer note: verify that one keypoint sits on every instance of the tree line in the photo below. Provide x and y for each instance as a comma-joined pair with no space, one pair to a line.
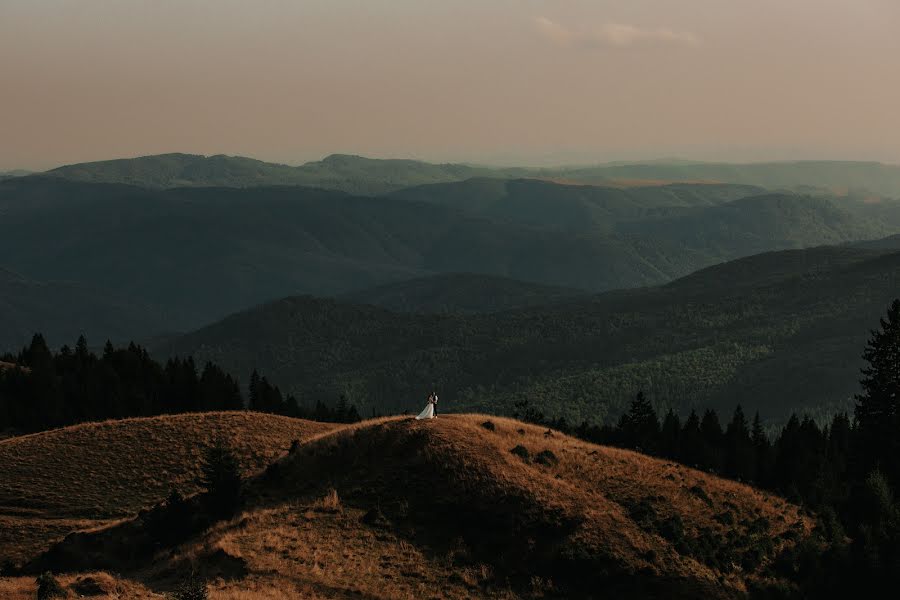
40,389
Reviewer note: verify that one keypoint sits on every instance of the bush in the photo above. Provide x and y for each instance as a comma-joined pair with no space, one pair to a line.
191,589
546,458
489,425
329,503
522,452
7,568
701,493
49,587
374,518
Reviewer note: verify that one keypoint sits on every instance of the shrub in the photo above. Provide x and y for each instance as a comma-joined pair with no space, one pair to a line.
330,503
49,587
169,523
725,518
522,452
274,472
546,458
701,493
7,568
374,518
489,425
295,445
191,589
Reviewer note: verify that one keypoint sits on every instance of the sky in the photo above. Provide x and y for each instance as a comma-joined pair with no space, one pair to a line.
488,81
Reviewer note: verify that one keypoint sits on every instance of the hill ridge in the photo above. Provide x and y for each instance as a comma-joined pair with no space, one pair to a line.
592,514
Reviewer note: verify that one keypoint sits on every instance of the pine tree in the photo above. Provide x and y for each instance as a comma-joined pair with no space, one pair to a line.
762,448
670,435
740,461
639,426
221,478
254,401
878,407
81,348
691,451
711,434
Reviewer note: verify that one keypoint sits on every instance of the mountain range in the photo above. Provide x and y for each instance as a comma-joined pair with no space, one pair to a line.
193,255
352,174
360,175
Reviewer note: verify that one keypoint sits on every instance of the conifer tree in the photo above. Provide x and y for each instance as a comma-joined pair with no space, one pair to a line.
221,477
878,406
670,435
691,450
762,449
739,456
254,390
711,434
639,426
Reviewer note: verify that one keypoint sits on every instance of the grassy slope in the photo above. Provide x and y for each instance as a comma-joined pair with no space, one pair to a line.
87,474
457,506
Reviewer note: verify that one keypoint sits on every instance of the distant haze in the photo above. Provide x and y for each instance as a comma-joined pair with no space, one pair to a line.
491,81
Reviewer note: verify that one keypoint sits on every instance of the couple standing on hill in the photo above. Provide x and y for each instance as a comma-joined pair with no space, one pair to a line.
430,411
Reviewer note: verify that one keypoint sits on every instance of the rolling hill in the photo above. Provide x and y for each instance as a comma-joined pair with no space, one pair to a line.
195,255
86,475
460,293
353,174
375,510
839,176
572,207
777,332
65,310
11,174
360,175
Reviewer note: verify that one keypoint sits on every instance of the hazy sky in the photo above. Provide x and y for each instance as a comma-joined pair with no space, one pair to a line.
530,81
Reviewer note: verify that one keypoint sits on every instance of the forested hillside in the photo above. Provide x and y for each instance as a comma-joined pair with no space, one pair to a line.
875,178
779,332
193,255
69,309
572,207
460,293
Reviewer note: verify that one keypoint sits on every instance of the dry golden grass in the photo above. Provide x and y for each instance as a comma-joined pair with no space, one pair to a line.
57,481
25,588
294,549
395,508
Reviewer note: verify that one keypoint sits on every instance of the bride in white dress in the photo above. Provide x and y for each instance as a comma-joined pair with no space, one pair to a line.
428,413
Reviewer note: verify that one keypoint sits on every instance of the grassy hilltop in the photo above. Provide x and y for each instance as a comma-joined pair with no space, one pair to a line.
394,508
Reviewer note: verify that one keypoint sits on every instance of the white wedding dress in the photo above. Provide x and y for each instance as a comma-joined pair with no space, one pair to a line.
428,413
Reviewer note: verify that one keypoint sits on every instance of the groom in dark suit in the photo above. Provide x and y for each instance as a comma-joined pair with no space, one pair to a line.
434,401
